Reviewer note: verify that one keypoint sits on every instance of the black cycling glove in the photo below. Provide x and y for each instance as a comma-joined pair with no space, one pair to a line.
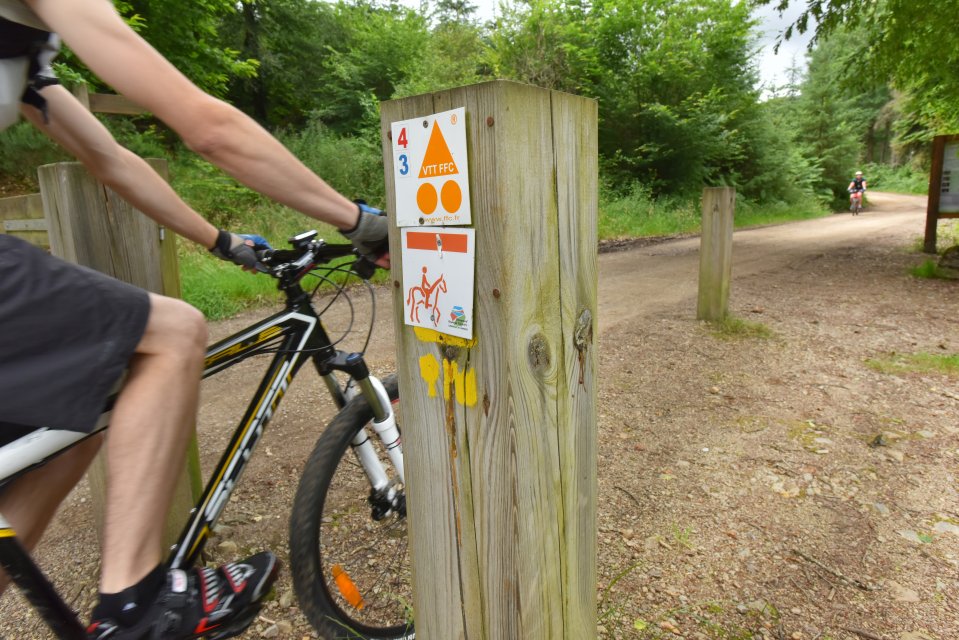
369,236
233,248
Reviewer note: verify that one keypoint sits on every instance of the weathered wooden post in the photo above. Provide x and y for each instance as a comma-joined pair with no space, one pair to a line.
501,437
92,226
716,253
22,216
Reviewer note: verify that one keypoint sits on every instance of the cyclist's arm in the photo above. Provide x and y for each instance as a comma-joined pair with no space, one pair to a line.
217,131
75,128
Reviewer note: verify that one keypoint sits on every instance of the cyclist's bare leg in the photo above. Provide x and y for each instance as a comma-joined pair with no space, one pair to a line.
151,425
30,503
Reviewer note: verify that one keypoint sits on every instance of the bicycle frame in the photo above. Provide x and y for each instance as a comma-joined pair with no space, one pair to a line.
295,335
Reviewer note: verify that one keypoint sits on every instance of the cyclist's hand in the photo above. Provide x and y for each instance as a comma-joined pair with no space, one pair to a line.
369,237
240,249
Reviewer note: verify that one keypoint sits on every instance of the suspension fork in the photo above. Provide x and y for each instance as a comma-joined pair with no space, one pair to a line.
384,419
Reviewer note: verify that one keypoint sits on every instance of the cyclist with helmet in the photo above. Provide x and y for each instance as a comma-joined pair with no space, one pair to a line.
857,187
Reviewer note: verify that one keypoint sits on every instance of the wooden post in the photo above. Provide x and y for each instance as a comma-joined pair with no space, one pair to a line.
716,253
92,226
22,216
502,450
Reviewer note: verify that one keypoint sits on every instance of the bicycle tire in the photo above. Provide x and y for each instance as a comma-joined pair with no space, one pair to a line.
332,525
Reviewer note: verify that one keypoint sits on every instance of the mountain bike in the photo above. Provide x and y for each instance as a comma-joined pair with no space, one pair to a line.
348,537
856,201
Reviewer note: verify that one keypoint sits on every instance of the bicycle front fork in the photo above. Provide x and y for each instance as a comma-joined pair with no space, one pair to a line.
385,495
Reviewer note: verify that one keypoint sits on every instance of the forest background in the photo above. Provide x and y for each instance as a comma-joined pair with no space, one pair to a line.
680,102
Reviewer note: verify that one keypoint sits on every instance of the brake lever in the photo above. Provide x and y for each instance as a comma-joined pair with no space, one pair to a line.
364,267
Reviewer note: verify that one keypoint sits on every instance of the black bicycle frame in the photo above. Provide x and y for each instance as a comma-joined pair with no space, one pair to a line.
294,334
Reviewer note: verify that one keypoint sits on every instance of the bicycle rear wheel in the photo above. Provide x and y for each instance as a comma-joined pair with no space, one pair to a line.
348,549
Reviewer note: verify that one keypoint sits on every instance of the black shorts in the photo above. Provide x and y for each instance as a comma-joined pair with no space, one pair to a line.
66,336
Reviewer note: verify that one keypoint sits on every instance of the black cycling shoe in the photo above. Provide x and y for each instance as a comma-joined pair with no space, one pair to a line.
200,603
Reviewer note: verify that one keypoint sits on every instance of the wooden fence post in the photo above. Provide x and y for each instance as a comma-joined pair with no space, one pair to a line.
22,216
716,253
92,226
502,450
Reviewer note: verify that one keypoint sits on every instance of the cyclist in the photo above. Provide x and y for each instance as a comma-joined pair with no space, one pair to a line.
856,188
67,333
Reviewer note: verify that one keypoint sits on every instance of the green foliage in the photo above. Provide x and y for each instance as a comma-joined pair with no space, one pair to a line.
291,39
23,148
377,50
187,34
904,179
351,165
930,269
913,43
637,213
830,119
548,43
677,88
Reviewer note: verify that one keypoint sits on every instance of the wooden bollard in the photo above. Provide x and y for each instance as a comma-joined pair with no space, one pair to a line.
92,226
716,253
501,469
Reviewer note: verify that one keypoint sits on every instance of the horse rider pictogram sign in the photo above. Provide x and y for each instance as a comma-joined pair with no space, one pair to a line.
438,279
430,170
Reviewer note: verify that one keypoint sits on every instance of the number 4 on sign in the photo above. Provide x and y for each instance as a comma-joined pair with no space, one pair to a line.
402,140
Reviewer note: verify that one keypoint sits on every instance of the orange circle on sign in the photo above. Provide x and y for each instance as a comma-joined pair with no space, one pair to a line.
452,196
426,198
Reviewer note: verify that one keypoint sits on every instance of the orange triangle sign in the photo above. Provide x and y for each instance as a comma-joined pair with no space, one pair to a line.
437,161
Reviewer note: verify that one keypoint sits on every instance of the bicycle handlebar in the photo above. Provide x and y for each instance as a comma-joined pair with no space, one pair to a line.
308,252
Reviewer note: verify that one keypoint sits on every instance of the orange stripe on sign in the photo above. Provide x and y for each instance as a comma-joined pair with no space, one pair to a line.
453,242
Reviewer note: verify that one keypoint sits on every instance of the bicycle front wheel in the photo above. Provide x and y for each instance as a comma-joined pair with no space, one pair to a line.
348,543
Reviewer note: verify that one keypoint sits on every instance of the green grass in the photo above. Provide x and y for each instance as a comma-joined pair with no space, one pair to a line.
733,328
922,362
931,269
638,214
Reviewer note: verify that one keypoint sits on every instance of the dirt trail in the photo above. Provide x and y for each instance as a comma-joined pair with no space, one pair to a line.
663,275
740,494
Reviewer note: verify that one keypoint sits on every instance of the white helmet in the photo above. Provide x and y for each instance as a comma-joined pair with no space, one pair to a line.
859,173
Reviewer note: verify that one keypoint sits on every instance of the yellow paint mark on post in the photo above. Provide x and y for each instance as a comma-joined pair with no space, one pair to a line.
430,372
470,395
463,382
431,335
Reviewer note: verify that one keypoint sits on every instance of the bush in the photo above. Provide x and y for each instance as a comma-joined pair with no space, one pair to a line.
352,165
904,179
23,148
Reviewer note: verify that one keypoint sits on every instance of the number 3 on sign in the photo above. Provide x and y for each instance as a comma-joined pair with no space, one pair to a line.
403,159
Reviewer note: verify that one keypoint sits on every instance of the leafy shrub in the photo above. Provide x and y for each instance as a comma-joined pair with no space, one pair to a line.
904,179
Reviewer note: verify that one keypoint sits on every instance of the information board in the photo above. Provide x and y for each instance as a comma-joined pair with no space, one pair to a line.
949,189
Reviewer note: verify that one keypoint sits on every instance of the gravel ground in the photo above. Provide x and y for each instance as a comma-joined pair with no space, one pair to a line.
766,482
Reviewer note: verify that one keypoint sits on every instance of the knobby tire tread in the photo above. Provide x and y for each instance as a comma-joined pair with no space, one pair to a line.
315,481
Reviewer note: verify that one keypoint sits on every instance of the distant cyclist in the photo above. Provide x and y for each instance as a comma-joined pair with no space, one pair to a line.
857,187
